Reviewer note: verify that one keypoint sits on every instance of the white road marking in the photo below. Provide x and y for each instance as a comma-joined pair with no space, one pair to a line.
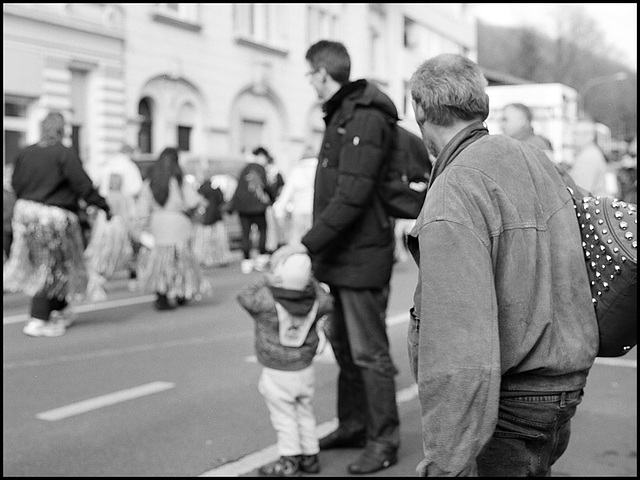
269,454
90,307
616,362
103,401
255,460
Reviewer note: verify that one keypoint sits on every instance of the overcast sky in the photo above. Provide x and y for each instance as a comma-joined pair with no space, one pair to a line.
618,21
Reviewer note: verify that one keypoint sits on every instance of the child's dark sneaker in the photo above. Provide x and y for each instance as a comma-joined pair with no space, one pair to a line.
309,463
285,466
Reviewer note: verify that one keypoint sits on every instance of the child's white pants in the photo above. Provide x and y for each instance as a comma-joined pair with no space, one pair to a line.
289,397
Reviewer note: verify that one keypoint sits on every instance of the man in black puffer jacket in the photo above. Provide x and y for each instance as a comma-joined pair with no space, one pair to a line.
351,244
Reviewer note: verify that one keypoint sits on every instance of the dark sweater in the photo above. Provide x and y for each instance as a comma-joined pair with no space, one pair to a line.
54,175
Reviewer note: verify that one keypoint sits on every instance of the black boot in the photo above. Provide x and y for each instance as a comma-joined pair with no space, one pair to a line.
374,457
162,302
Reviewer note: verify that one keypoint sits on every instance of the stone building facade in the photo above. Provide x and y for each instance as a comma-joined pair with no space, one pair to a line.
215,80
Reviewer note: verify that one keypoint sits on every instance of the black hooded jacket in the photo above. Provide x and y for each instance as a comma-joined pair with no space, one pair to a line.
252,195
351,243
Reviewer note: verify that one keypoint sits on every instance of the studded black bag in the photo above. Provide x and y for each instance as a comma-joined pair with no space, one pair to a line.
609,230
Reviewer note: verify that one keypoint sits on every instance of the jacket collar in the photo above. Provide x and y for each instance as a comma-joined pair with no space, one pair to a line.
333,104
459,142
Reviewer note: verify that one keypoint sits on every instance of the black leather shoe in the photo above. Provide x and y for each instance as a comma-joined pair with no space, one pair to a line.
373,459
340,439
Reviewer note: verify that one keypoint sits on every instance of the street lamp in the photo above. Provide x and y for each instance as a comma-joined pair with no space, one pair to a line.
593,82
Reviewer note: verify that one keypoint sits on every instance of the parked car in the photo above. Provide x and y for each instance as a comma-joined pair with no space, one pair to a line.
205,167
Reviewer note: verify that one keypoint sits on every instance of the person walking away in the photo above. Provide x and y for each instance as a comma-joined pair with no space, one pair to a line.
171,270
275,183
516,122
294,205
289,306
46,260
250,199
351,244
589,168
211,235
502,331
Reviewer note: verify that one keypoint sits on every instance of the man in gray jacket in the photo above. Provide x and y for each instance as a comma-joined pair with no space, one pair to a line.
503,331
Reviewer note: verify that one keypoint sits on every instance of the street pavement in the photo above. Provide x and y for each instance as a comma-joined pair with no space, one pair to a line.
604,431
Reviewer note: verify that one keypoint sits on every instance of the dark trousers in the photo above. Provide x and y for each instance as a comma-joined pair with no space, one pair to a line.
532,433
246,222
366,383
42,306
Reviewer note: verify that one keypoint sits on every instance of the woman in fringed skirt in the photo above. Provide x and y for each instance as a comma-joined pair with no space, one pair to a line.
46,260
169,268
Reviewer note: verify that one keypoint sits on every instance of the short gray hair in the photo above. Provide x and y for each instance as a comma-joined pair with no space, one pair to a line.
449,87
52,128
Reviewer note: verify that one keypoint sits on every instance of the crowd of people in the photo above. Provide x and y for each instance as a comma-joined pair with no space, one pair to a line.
66,234
502,331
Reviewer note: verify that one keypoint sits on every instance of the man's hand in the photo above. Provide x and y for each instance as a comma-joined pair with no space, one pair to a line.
285,251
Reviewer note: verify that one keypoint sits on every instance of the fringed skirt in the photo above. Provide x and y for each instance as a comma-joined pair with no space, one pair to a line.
211,244
172,270
46,253
109,248
109,251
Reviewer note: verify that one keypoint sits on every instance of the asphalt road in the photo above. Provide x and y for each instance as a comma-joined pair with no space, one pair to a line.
129,391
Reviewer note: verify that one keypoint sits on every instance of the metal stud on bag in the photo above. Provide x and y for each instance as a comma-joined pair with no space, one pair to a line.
620,209
609,231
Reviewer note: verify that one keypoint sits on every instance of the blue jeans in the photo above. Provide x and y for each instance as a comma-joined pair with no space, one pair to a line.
532,433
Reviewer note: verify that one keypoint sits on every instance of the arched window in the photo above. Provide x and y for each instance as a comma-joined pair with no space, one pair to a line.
144,134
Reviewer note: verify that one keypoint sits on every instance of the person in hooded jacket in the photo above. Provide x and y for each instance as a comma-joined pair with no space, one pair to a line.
289,308
351,244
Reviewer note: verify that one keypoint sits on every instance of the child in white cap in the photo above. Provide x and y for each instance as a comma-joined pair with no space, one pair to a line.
287,304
